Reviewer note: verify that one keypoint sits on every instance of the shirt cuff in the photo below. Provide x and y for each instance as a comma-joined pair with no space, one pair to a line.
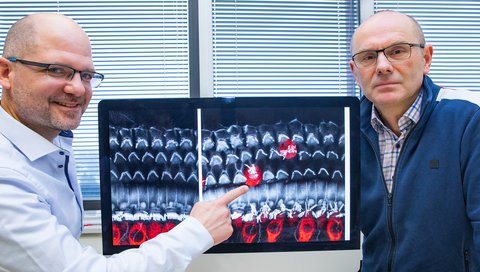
195,235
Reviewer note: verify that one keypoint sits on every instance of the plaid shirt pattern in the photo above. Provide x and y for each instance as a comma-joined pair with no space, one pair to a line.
391,144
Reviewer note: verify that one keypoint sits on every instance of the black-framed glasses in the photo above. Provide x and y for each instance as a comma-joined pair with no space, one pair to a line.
395,52
62,71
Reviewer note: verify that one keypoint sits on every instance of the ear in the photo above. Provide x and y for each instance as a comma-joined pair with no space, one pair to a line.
5,73
428,55
352,66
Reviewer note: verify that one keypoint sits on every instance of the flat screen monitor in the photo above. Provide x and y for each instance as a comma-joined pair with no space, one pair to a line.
298,155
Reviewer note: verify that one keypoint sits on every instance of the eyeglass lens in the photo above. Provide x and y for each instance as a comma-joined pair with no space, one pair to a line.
395,52
61,71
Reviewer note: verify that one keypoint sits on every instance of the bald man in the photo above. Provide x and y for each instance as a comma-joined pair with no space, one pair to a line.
420,154
47,76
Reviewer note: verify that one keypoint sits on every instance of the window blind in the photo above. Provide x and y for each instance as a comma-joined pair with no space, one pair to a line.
282,48
142,48
453,28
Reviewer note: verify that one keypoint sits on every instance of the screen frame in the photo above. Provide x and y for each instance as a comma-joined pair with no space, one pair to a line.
225,105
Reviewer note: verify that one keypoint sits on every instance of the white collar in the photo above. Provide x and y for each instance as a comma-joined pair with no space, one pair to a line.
30,143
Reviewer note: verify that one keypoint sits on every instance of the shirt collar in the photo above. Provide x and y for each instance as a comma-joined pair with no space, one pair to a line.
413,114
27,141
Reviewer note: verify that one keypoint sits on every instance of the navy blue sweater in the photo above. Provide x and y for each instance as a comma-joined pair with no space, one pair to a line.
431,220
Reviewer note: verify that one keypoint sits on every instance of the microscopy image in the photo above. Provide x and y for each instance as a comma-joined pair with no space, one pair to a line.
299,157
295,170
153,174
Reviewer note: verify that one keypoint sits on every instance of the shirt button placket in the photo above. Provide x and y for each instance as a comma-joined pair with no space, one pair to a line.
61,153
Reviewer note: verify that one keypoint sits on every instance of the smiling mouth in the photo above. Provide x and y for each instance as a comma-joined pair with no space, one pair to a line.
68,105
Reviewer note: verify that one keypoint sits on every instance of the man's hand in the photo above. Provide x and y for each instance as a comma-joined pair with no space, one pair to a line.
215,215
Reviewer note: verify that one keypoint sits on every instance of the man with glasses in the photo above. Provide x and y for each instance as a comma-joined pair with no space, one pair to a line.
47,76
420,154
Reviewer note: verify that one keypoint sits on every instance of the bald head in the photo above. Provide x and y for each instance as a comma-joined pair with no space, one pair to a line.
381,20
391,84
42,99
27,34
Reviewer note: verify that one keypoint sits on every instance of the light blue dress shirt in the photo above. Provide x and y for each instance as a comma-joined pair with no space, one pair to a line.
41,213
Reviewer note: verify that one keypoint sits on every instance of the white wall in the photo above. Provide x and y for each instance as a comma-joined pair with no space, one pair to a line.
329,261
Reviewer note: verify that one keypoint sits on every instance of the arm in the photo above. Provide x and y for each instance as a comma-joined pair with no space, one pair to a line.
32,237
470,157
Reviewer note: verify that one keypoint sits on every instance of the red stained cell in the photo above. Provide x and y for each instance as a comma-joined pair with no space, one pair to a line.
335,228
288,149
253,175
249,231
137,234
274,229
306,228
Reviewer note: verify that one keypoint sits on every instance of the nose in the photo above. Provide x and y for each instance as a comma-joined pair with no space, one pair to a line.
383,64
76,86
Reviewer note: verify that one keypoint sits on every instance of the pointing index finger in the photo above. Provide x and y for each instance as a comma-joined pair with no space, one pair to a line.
232,195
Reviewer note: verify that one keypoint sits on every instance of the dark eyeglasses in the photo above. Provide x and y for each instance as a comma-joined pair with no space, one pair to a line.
395,52
62,71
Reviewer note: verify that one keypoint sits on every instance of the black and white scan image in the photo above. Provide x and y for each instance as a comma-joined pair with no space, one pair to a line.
153,173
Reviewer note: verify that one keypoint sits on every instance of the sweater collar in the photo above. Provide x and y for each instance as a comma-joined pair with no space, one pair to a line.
429,90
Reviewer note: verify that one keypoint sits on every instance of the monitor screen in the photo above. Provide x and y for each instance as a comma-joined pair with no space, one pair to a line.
298,155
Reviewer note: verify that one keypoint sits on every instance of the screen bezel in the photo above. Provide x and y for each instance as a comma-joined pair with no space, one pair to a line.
226,105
